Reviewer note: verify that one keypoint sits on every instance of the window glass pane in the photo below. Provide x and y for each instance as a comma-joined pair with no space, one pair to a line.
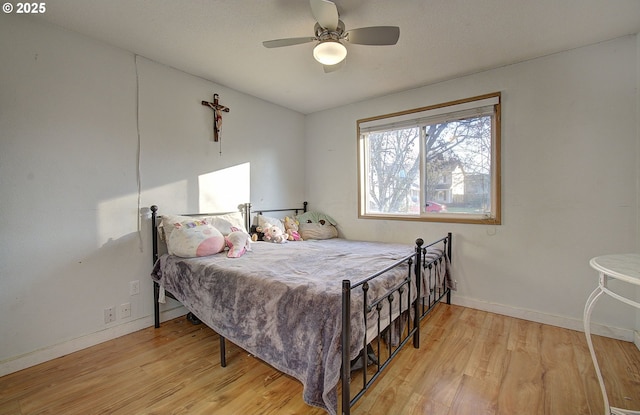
438,163
393,171
458,166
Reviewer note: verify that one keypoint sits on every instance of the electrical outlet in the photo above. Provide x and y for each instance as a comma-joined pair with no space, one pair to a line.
125,310
134,287
109,314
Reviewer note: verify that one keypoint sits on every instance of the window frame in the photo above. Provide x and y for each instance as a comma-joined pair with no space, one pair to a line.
415,115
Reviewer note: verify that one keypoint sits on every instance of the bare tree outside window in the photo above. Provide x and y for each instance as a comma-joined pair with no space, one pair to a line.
394,169
441,166
460,150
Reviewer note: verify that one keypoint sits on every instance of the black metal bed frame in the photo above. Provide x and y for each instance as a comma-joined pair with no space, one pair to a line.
419,264
420,308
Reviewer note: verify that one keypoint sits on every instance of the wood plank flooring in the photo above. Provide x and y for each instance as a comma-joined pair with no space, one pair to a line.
470,362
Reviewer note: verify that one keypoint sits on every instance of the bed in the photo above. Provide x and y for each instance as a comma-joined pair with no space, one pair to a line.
332,313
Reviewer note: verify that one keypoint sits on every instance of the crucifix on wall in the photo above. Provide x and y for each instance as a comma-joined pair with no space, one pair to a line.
217,116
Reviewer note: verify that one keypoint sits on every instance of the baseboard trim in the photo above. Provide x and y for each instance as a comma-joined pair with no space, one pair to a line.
553,320
45,354
36,357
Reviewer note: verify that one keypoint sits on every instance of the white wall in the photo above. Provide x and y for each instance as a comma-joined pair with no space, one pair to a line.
569,192
70,240
69,210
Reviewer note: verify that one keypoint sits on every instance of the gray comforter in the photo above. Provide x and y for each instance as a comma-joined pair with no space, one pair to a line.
282,302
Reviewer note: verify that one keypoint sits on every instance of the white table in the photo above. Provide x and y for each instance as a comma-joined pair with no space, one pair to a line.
622,267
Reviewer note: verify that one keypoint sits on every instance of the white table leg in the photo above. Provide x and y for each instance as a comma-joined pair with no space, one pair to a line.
588,308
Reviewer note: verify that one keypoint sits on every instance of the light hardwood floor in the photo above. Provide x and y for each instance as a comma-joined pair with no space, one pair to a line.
470,362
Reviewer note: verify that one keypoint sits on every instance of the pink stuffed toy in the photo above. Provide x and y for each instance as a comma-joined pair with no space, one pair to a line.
238,242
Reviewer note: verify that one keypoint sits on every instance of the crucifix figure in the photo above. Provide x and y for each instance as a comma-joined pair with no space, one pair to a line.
217,116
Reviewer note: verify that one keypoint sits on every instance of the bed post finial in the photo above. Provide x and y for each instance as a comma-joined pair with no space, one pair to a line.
305,205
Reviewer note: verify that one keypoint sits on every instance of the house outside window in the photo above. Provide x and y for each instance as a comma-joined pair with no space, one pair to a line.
438,163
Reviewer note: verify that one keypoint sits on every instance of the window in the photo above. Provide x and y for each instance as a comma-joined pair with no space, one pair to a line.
438,163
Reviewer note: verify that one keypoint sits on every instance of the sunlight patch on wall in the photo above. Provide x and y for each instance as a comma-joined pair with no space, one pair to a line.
223,190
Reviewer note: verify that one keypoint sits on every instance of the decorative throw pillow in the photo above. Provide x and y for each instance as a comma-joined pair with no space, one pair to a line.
195,239
317,225
316,217
317,231
167,225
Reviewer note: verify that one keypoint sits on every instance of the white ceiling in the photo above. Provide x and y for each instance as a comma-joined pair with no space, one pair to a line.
221,40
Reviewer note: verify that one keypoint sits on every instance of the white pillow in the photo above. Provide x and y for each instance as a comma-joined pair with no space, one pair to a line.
265,221
195,239
225,222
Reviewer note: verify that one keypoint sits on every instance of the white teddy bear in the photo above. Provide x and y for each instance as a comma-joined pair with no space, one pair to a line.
274,234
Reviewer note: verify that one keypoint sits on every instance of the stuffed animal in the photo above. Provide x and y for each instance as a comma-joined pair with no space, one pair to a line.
316,217
238,242
316,225
274,234
291,227
257,233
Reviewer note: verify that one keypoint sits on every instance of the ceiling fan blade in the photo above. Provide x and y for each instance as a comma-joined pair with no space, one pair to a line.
325,12
287,42
374,35
333,68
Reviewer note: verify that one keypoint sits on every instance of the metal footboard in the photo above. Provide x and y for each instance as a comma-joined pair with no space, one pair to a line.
375,356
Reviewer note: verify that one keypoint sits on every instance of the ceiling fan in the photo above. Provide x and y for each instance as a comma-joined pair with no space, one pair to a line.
330,34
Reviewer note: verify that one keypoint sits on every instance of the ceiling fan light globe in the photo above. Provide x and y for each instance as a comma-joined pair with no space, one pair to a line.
329,52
